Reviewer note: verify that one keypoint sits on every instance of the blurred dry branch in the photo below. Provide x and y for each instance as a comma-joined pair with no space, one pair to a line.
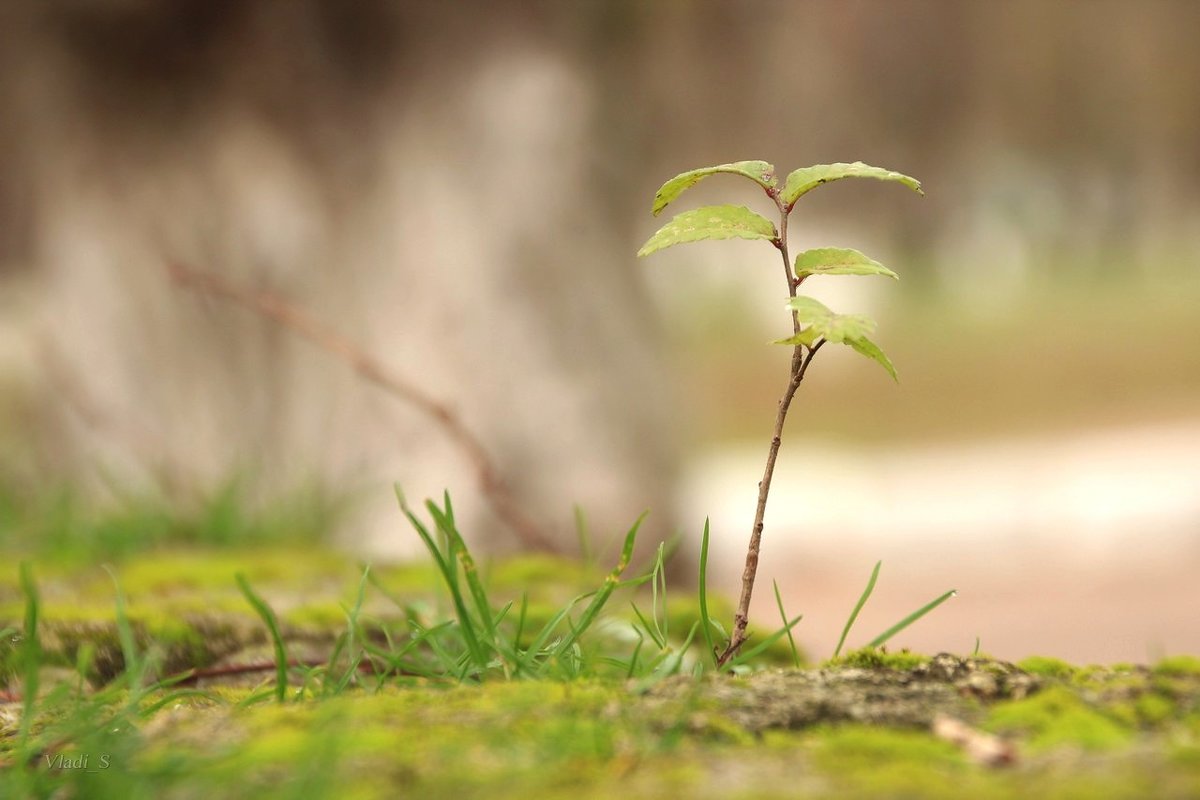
294,318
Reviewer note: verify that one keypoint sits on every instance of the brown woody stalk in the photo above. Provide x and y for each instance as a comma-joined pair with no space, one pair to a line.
291,316
801,357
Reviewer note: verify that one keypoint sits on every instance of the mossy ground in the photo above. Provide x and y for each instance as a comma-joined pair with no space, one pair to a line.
858,727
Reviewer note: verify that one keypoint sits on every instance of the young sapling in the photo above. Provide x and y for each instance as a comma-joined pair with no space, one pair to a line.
813,324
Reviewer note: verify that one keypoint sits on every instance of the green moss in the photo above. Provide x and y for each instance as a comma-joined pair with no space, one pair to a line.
878,658
872,762
515,735
1154,709
577,739
1056,717
1047,667
1178,666
407,579
326,616
184,579
541,576
1186,754
714,726
861,746
174,571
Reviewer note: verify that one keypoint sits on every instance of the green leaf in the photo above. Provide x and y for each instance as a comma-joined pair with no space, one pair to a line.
760,172
838,261
871,350
808,178
711,222
862,601
848,329
882,638
824,324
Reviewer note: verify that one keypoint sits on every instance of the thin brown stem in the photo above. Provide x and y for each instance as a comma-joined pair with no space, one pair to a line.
801,358
290,316
742,617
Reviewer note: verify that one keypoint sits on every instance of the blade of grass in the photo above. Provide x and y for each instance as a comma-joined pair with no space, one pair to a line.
268,617
633,659
483,605
783,618
449,569
611,581
667,663
31,655
910,619
85,657
599,598
671,546
583,535
147,711
862,601
706,622
386,592
255,697
674,658
521,619
135,670
535,649
648,627
353,654
658,594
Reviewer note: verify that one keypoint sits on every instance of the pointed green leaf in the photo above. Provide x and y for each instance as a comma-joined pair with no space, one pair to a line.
711,222
807,337
760,172
838,261
837,328
849,329
871,350
809,309
808,178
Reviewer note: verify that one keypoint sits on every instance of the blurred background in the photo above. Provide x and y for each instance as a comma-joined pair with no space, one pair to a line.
461,188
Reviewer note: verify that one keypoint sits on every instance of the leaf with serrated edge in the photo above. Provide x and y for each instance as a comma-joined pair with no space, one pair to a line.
760,172
871,350
838,261
809,309
845,328
849,329
807,337
824,324
806,179
711,222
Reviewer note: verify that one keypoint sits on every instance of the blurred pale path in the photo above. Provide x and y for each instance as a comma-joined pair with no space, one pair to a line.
1081,546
